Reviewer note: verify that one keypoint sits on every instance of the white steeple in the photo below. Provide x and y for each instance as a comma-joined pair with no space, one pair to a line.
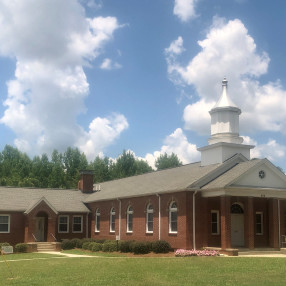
225,141
225,119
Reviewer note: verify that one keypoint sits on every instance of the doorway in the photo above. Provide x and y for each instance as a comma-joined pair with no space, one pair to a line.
237,225
41,226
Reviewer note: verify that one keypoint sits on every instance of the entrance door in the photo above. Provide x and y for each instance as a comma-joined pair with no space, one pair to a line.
237,230
40,228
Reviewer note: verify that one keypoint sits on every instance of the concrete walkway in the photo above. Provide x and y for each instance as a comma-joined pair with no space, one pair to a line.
67,254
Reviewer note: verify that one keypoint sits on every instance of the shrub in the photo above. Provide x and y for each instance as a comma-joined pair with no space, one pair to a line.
141,248
96,246
21,247
109,246
100,240
125,246
86,244
161,246
67,244
4,244
77,243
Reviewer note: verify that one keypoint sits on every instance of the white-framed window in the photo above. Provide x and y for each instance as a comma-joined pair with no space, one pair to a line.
149,218
173,218
77,223
130,219
112,220
4,223
63,224
259,223
215,222
97,220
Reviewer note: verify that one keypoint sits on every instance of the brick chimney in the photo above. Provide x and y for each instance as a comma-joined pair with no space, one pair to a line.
85,183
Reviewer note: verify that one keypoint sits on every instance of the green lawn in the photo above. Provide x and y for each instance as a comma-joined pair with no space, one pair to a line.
143,271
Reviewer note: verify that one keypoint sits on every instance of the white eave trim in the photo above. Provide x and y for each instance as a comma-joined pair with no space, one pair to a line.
42,199
246,192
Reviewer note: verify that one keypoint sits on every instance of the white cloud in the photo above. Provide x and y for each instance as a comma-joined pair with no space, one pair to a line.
108,64
177,143
185,9
271,150
102,132
228,50
50,85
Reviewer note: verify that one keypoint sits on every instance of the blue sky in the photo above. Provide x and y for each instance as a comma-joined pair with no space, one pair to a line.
110,75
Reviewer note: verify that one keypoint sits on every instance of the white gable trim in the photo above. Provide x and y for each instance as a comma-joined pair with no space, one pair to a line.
42,199
246,192
265,162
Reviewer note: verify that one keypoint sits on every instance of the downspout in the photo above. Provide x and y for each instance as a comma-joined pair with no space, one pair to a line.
119,217
86,225
194,219
159,216
279,230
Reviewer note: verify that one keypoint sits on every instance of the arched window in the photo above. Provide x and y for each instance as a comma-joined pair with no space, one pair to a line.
129,219
149,218
173,218
112,220
236,209
97,220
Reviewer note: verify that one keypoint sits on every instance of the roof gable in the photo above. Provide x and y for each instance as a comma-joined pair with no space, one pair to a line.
263,175
35,203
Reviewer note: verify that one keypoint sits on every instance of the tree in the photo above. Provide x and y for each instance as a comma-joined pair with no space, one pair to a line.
167,161
142,167
101,169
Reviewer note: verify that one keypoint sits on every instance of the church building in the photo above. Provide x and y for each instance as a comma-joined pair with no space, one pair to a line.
227,200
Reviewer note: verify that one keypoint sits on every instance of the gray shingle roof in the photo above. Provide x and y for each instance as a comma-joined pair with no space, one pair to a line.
233,173
20,199
174,179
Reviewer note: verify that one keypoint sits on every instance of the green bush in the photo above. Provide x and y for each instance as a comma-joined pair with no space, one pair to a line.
140,247
161,246
67,244
99,240
109,246
21,247
4,244
86,244
77,243
125,246
95,246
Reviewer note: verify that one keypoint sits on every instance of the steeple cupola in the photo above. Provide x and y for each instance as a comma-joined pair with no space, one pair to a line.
225,141
225,119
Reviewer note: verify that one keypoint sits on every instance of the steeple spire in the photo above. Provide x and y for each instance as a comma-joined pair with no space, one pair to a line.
225,119
224,100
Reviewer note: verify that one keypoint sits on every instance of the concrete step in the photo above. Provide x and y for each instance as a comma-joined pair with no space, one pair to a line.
45,246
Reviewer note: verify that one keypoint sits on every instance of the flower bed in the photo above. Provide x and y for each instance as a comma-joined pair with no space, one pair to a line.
205,252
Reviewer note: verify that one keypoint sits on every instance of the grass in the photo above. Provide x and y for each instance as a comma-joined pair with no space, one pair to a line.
144,271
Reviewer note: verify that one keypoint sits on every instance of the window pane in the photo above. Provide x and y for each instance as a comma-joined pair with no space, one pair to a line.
4,219
4,227
63,228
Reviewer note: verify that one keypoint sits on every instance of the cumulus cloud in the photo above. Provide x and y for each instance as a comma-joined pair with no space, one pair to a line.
185,9
108,64
229,50
50,86
271,150
177,143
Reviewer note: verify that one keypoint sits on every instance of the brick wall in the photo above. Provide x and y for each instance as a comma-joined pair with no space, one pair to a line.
17,228
177,240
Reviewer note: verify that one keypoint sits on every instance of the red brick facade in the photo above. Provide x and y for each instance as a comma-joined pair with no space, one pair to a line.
23,226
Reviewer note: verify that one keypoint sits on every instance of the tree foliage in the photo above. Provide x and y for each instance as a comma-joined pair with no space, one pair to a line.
63,170
166,161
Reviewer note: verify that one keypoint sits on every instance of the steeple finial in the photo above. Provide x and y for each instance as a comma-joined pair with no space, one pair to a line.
224,82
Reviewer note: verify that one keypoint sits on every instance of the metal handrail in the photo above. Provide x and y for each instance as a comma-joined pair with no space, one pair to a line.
34,237
53,236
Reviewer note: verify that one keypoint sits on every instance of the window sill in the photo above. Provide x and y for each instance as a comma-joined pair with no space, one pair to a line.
173,233
216,234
